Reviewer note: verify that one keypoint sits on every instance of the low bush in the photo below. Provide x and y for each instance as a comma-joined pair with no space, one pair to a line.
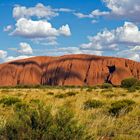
50,93
39,124
90,104
106,85
129,82
60,95
131,89
29,86
137,84
68,128
137,87
36,101
68,94
89,90
20,106
5,90
109,95
106,90
121,107
9,101
71,93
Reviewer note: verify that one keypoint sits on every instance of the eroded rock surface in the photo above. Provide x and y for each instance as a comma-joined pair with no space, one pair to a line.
68,70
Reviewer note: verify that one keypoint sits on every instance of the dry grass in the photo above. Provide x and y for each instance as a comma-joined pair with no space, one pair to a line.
99,122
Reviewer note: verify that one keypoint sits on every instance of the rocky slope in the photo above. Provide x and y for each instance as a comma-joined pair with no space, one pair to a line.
68,70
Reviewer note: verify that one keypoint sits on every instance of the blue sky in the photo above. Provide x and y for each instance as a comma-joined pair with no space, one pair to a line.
52,27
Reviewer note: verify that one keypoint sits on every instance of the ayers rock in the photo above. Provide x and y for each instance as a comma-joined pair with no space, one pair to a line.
78,69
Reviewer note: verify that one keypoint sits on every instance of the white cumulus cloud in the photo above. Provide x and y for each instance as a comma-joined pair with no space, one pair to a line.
130,53
128,34
129,9
38,29
3,54
25,48
39,11
125,40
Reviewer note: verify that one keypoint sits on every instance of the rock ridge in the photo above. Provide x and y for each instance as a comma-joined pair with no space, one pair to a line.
78,70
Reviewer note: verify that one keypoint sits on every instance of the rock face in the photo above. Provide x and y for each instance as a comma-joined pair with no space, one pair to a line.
68,70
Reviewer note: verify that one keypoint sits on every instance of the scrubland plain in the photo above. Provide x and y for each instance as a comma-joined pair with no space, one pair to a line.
111,113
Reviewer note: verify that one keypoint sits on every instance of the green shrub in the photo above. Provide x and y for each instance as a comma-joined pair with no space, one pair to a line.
121,106
28,124
20,106
39,124
106,90
136,86
29,86
132,89
60,95
89,104
50,93
109,95
107,85
36,101
129,82
89,90
9,101
5,90
66,127
71,93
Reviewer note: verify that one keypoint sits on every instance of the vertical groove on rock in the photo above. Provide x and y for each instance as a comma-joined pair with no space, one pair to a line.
24,73
126,64
67,73
31,74
44,77
87,73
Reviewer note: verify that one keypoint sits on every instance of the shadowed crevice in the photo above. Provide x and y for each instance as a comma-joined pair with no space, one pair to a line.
52,78
67,74
87,73
24,63
111,70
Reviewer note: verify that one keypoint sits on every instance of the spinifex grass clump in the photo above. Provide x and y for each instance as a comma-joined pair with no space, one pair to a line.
121,107
35,101
60,95
106,86
70,93
89,89
50,93
38,123
21,106
129,82
90,104
7,101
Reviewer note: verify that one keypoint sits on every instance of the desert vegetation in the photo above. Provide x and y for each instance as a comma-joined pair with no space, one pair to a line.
70,113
